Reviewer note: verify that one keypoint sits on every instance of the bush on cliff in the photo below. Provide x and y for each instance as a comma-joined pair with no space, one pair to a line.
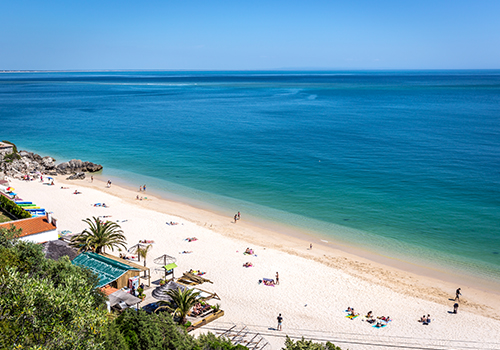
12,208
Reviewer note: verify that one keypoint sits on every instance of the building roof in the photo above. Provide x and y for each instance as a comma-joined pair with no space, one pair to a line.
129,263
121,296
58,248
108,290
31,226
107,269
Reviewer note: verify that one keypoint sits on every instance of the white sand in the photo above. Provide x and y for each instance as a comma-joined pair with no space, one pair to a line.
316,286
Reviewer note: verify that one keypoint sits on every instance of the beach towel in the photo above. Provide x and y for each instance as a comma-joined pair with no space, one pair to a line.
268,282
352,317
382,326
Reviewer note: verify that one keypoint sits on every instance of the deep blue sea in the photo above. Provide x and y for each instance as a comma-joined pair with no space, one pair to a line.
404,163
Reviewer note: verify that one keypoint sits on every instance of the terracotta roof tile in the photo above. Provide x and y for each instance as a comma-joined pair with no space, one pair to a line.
31,226
108,289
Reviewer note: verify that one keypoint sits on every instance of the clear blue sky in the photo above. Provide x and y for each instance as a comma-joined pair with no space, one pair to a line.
251,34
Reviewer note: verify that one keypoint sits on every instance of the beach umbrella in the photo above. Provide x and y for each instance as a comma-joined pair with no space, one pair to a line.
10,189
50,178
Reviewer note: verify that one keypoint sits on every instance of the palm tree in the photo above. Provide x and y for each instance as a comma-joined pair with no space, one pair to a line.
98,236
183,300
143,253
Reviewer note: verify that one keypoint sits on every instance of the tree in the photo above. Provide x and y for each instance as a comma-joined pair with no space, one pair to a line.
308,345
98,236
47,304
183,301
141,331
143,253
8,234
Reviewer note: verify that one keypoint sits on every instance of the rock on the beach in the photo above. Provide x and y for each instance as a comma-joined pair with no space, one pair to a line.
76,166
77,176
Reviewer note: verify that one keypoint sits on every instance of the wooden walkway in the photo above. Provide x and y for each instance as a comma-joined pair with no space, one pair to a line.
240,334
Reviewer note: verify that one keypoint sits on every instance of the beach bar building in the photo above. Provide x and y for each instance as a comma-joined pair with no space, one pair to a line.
111,270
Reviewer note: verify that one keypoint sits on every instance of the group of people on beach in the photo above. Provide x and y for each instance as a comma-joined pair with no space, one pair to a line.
237,216
381,321
142,188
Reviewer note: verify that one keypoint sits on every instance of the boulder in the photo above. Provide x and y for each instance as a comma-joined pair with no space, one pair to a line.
76,176
91,167
48,163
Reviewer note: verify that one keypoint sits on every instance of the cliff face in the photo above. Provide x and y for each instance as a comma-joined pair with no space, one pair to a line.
19,164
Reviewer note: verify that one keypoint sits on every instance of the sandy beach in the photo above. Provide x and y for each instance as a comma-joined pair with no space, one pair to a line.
316,285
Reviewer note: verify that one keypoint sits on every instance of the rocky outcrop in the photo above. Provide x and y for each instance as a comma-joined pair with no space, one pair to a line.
25,162
77,176
76,166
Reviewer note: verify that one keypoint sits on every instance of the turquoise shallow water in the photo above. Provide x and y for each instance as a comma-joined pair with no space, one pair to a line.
404,163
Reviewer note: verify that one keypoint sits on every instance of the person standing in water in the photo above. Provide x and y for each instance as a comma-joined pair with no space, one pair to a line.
239,215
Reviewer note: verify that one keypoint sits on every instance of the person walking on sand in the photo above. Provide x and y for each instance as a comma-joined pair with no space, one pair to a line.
310,246
277,278
144,188
91,179
458,294
235,218
280,321
239,215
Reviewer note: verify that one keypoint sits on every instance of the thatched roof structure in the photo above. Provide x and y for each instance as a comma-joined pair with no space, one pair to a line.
159,292
58,248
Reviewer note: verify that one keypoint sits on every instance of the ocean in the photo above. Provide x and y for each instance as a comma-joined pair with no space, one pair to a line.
402,163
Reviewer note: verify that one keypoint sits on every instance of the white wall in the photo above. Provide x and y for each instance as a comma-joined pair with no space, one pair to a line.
42,237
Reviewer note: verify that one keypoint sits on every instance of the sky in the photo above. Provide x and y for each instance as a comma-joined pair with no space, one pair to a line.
249,35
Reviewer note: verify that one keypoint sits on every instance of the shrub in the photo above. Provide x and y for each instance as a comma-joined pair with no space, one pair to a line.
12,208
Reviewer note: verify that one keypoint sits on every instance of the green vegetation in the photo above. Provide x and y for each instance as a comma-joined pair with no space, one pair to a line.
12,208
55,305
98,236
308,345
44,303
143,252
4,218
183,301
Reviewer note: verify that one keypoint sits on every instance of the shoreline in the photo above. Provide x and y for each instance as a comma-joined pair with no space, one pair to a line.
302,238
315,288
417,281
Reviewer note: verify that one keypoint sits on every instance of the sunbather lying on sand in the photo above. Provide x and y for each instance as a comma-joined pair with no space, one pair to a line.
191,239
76,192
186,252
267,282
171,223
248,264
386,319
249,251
